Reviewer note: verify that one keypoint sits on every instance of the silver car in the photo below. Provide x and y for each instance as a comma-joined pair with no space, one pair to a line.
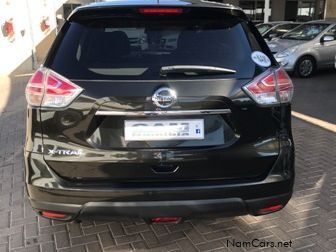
265,27
308,47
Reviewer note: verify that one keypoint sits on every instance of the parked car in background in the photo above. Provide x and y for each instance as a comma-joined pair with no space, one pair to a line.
257,22
265,27
187,113
308,47
280,30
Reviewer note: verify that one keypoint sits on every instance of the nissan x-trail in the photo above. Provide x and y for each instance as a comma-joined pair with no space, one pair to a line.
161,110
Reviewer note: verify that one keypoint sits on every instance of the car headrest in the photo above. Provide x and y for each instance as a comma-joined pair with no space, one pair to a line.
107,46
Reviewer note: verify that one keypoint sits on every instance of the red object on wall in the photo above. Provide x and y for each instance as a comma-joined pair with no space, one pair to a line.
45,24
8,29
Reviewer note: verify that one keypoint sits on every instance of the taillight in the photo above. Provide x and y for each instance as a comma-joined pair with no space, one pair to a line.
35,89
161,11
272,87
49,89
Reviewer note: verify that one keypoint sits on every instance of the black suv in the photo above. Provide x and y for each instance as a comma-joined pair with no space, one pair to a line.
159,109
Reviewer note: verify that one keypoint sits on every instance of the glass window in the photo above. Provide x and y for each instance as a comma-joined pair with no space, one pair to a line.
332,32
306,10
285,27
262,28
138,49
307,31
280,30
253,9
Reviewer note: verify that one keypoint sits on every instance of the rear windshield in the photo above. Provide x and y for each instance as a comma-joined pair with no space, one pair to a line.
138,49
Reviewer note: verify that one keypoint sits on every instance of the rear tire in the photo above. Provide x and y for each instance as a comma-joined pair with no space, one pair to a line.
305,67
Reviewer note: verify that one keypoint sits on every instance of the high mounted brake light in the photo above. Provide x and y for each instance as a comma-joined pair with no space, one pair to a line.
270,88
49,89
161,11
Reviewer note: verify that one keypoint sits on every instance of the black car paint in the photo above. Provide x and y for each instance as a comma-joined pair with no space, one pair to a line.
249,172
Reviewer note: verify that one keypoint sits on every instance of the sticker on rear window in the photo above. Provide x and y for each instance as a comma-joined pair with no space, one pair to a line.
261,59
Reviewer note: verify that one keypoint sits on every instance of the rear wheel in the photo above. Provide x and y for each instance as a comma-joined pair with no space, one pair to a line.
305,67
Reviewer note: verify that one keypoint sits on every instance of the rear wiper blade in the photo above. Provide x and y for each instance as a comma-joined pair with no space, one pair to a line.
194,70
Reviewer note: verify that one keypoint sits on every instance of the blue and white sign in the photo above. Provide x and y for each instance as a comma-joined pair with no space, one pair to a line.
261,59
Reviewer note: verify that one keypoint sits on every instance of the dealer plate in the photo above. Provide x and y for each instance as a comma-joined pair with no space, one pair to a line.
158,130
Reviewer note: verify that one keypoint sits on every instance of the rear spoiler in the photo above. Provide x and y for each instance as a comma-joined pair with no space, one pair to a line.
129,11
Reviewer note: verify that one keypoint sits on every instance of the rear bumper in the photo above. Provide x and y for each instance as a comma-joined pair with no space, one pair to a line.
150,209
49,192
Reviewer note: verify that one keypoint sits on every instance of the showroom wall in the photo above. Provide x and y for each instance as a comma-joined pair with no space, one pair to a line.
331,9
27,30
25,25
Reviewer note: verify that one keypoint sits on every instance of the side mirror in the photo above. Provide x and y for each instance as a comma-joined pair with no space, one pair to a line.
327,38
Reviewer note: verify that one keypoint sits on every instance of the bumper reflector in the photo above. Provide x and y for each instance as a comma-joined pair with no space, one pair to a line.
270,209
53,215
166,219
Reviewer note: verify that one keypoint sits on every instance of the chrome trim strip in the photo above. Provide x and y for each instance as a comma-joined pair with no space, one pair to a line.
163,113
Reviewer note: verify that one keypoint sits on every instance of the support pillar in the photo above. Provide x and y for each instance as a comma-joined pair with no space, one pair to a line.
267,11
278,10
319,9
330,9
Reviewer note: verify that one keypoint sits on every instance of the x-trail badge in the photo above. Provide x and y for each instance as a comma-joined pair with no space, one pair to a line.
164,97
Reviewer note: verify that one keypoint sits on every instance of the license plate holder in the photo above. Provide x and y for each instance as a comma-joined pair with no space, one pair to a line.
164,130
